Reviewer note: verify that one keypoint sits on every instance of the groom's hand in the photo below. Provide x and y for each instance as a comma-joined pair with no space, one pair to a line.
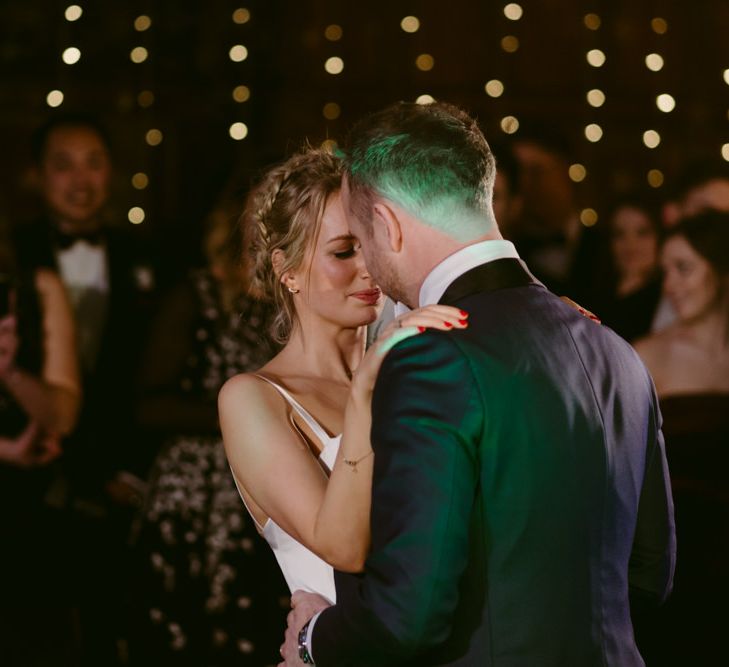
303,607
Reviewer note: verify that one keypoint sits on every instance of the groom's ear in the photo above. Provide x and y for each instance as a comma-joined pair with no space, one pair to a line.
387,217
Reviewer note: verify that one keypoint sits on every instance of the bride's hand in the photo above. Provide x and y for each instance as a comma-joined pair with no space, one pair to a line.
445,318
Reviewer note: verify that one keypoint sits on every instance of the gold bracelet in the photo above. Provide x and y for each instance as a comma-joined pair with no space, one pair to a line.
354,463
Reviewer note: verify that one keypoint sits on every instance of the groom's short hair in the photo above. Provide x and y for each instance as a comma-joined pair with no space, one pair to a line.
431,159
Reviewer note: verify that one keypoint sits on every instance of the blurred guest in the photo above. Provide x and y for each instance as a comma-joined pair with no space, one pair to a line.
110,288
692,356
628,296
689,362
548,234
702,186
39,399
208,590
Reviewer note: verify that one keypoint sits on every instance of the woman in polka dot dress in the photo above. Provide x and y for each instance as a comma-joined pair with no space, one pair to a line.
206,591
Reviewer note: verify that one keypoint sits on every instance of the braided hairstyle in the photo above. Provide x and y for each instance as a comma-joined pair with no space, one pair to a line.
284,213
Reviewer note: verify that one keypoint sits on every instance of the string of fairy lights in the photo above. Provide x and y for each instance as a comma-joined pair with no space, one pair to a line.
595,96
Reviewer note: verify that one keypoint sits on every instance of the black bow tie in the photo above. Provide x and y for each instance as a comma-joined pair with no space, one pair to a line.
64,241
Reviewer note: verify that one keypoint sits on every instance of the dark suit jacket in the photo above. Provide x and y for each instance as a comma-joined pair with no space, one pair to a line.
520,490
104,440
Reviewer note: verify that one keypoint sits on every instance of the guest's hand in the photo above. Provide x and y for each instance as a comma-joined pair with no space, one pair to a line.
445,318
303,607
30,449
8,344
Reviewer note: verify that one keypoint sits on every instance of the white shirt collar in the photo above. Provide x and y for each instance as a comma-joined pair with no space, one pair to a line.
455,265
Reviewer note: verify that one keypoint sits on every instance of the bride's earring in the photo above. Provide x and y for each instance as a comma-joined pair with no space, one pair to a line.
293,290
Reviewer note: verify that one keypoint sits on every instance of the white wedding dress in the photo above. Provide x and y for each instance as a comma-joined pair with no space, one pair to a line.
302,569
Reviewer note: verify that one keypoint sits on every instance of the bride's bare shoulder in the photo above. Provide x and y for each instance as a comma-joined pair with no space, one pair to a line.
247,389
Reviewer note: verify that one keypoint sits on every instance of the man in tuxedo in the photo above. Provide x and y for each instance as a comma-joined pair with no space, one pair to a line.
110,286
521,497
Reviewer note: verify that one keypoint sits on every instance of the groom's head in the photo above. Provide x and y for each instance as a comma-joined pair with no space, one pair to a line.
418,185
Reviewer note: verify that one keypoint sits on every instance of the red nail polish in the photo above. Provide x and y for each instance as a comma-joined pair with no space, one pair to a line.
463,322
421,329
463,313
448,325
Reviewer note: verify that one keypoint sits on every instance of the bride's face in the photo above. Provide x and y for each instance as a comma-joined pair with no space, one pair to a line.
335,283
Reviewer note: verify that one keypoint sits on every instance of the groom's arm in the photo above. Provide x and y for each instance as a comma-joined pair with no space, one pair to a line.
427,419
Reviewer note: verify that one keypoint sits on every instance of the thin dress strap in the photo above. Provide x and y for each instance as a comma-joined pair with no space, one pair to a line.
314,425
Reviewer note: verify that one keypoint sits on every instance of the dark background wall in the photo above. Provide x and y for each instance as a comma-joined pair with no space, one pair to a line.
191,76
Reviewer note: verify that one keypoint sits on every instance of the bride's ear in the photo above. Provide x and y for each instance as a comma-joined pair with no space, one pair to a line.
278,259
387,217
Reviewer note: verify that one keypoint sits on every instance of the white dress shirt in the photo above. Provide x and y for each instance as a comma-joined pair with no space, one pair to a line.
84,270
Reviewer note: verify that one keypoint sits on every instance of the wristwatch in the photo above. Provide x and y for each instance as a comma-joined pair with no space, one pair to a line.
303,650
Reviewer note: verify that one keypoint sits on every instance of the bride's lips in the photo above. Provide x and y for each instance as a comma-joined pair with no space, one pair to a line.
370,296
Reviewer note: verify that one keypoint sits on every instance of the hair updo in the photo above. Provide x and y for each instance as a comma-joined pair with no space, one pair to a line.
284,211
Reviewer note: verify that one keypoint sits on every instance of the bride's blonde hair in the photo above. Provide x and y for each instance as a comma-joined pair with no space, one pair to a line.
284,213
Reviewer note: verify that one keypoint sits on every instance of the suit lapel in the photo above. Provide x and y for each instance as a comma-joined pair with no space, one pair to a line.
489,277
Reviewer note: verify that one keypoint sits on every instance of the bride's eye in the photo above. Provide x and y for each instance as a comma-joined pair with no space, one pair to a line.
346,254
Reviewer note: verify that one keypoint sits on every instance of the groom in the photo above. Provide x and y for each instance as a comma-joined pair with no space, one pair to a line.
521,496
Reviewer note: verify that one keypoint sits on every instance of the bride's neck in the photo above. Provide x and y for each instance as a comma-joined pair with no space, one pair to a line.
325,350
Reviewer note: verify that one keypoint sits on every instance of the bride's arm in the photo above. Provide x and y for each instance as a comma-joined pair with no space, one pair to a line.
277,470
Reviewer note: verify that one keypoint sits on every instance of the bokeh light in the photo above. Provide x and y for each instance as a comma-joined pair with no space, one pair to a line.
241,16
510,44
138,54
592,21
145,99
666,102
425,62
73,13
494,88
725,152
595,97
659,26
513,11
655,178
425,99
71,55
333,32
593,132
331,111
153,137
54,98
238,53
410,24
654,62
334,65
577,172
241,93
238,131
588,217
136,215
140,180
651,138
142,23
596,58
509,124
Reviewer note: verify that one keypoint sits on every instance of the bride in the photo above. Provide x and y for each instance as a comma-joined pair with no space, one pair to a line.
297,432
